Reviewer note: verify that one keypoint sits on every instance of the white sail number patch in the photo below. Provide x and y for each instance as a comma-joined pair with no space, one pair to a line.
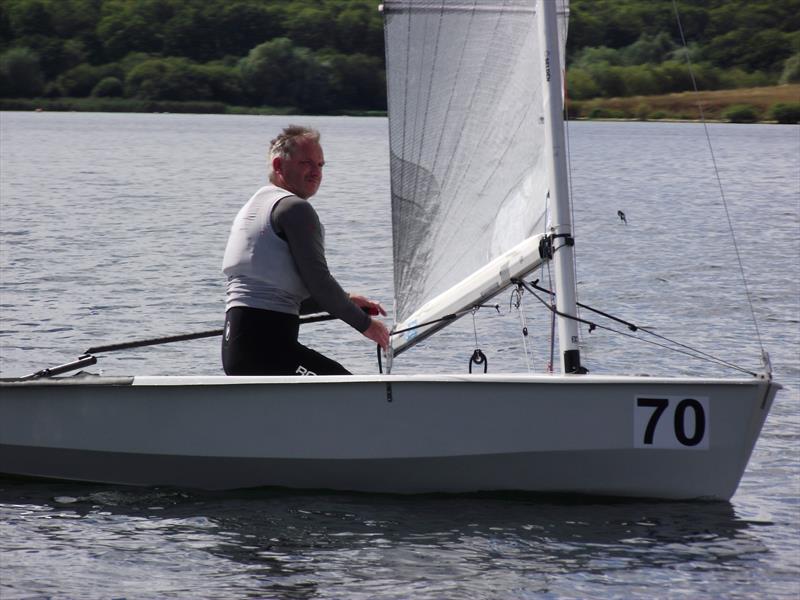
671,422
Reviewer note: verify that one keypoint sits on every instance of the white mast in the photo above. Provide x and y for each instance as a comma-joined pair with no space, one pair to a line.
561,230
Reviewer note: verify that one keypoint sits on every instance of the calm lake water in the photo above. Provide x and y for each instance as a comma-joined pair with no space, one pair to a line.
112,229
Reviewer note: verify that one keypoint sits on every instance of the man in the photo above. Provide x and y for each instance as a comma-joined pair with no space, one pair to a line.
276,269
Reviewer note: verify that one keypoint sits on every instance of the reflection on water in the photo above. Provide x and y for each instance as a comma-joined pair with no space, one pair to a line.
284,544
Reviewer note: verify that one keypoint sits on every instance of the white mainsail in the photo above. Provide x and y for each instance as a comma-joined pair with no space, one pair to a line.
466,134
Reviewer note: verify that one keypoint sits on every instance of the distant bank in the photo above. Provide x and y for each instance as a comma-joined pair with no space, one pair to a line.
779,104
130,105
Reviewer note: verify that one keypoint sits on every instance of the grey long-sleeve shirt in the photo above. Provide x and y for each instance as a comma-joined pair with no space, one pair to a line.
296,221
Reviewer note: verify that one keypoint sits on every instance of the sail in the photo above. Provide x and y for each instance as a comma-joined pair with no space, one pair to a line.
468,175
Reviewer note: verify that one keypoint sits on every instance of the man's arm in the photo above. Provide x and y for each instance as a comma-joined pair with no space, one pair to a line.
297,221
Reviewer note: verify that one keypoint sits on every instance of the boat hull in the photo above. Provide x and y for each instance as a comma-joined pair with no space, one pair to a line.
397,434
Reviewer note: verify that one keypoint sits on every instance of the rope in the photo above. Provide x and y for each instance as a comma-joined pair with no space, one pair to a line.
719,180
449,317
304,320
153,341
516,302
552,308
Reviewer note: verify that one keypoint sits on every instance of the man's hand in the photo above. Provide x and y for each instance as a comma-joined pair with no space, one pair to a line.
378,333
371,307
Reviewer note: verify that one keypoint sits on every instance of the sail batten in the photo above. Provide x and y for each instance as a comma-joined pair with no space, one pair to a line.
465,108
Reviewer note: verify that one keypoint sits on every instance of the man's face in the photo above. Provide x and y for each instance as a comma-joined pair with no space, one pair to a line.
301,173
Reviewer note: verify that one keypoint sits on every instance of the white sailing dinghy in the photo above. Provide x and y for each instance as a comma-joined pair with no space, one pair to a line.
479,200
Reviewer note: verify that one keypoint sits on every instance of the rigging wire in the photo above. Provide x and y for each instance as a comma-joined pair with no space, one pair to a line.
719,182
681,348
633,327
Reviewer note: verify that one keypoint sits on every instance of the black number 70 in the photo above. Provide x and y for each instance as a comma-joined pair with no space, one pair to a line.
660,405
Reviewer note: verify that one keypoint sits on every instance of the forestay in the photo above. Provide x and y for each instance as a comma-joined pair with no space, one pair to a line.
468,174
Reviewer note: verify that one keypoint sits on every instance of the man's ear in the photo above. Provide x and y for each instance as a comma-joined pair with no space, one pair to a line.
276,164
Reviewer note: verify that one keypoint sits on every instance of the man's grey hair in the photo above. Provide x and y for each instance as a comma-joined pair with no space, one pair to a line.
286,143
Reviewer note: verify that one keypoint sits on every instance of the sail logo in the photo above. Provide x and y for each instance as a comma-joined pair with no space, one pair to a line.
301,370
547,65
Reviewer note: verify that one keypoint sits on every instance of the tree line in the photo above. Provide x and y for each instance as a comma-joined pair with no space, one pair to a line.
327,55
621,48
313,55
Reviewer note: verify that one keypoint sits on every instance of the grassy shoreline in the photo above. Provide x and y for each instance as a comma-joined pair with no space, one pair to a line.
750,104
717,105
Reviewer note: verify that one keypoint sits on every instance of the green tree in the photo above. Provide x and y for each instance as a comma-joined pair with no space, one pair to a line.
224,82
359,30
6,34
81,80
278,73
167,79
648,49
357,81
334,57
593,56
55,55
791,70
191,33
313,93
180,79
269,72
133,26
585,30
672,76
121,34
739,78
75,18
242,26
108,87
786,113
750,49
20,74
580,84
640,80
30,17
741,113
609,78
310,27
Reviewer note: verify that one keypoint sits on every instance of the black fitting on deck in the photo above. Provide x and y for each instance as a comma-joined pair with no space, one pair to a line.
478,358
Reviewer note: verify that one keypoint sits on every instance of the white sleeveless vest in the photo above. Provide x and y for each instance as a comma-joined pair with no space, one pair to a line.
259,266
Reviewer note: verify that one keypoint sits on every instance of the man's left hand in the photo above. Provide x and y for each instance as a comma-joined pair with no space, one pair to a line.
370,306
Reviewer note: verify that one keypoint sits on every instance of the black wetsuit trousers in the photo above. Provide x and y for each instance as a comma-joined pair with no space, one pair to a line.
264,342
